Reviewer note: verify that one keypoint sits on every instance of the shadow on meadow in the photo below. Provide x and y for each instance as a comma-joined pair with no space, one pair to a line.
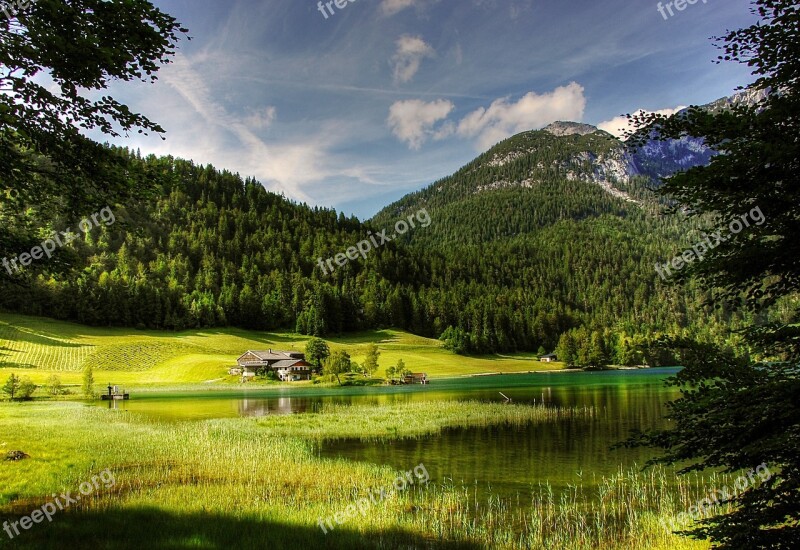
39,335
151,528
268,338
368,337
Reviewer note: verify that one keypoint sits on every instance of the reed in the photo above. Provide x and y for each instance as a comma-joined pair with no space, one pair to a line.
413,419
248,483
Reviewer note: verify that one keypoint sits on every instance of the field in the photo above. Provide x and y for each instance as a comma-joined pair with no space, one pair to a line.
263,482
38,347
215,484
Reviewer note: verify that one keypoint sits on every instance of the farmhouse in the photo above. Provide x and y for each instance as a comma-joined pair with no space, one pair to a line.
416,378
289,366
549,358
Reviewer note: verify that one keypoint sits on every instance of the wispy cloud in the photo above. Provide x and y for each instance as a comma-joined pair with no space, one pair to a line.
411,50
262,118
391,7
289,170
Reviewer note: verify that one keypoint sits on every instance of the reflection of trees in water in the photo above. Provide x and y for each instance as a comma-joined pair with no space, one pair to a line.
294,405
277,405
512,460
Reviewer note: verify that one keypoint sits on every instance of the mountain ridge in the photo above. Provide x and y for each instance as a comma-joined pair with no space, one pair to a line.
604,160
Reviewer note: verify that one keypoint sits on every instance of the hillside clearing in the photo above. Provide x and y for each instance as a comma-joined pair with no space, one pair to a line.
39,347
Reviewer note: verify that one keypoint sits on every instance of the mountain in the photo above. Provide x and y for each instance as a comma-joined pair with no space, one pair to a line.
658,159
562,223
549,237
749,97
565,171
570,128
549,162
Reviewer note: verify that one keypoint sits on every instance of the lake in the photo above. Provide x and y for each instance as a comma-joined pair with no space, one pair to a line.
501,459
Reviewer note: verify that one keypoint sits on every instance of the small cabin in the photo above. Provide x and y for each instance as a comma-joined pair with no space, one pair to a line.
416,378
549,358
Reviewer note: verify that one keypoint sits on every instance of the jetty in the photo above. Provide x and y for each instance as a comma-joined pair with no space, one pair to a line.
114,393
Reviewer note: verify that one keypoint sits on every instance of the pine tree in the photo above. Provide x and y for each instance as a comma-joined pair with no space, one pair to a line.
11,387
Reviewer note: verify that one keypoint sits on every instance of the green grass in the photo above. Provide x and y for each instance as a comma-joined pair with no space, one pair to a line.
39,347
245,483
408,419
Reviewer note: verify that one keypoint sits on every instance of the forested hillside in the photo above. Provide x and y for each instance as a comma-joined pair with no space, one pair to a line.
537,237
566,229
211,249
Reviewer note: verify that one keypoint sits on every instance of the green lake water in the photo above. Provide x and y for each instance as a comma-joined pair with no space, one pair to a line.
503,460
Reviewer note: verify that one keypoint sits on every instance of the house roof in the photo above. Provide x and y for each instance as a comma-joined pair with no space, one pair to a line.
272,355
290,363
548,355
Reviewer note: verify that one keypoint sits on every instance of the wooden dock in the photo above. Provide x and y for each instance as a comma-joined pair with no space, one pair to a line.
114,394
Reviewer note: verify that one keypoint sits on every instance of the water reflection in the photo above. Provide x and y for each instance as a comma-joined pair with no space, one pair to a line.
625,392
511,460
502,459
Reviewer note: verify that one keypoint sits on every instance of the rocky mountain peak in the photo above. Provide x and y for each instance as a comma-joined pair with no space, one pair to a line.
561,128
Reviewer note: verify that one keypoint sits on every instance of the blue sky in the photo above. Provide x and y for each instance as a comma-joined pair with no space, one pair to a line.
386,96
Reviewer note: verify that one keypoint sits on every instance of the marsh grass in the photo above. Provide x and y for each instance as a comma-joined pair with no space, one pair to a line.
409,420
248,483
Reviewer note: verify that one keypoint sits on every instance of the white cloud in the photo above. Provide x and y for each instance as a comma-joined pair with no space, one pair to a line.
505,118
411,50
391,7
618,125
229,141
261,119
414,121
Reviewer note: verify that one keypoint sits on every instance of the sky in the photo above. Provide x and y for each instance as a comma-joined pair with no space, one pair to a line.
354,107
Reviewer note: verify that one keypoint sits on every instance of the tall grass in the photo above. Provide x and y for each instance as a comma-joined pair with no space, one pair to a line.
247,483
623,511
412,419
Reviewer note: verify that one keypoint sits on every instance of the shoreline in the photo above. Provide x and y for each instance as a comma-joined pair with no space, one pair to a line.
555,371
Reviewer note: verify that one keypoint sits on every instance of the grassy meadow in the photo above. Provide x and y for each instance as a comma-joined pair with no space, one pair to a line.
263,482
38,347
255,483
